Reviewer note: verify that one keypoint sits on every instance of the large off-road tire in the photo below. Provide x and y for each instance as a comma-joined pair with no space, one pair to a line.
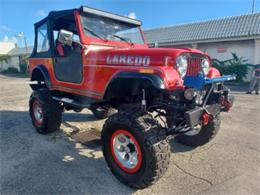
46,114
202,135
133,134
101,112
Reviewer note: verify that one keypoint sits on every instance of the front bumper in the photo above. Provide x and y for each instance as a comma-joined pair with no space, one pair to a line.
198,82
194,117
214,102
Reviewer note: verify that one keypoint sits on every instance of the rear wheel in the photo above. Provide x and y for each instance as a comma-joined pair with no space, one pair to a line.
46,114
200,135
135,148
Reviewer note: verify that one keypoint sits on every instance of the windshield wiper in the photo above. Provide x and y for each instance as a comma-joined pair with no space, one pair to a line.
123,39
94,33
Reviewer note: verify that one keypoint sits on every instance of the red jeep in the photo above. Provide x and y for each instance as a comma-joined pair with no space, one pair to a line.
87,58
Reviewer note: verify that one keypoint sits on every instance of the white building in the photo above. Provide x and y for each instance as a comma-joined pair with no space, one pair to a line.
219,38
14,55
5,47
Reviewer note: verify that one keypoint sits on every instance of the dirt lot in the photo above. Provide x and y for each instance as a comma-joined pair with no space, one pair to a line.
67,162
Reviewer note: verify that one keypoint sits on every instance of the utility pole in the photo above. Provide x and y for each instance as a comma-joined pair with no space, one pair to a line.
253,6
21,35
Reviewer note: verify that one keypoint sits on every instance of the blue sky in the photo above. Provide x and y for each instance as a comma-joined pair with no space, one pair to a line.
20,15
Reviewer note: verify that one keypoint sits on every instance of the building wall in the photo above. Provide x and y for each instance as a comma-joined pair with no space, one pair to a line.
12,61
178,46
222,50
5,47
257,51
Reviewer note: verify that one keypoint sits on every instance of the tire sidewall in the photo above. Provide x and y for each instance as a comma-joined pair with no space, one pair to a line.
39,127
206,133
106,139
51,112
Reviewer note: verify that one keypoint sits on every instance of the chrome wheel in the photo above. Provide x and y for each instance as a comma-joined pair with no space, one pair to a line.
37,112
126,151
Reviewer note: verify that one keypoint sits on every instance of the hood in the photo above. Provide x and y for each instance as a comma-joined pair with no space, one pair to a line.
133,56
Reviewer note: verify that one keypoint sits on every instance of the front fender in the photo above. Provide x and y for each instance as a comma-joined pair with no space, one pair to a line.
126,84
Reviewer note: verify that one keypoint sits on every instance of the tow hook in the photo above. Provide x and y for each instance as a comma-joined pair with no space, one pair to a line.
226,104
205,118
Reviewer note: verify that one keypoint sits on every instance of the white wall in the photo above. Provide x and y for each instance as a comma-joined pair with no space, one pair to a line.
257,51
5,47
222,50
12,61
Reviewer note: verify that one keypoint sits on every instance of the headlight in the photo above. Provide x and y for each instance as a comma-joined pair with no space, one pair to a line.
182,65
189,94
205,66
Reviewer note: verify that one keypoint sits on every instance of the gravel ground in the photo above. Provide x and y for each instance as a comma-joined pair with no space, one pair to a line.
70,161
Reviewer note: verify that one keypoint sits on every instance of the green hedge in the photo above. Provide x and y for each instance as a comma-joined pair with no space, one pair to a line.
11,70
236,69
23,68
235,66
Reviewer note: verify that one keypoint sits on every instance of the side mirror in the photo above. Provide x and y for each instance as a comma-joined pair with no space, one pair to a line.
65,37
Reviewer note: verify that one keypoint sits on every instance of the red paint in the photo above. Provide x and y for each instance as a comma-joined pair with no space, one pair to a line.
222,50
139,156
194,67
60,49
228,105
205,118
213,72
225,103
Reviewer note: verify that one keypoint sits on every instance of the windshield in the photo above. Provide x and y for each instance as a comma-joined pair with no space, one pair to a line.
109,29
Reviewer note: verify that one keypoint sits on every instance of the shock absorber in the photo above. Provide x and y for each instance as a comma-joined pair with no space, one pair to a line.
143,102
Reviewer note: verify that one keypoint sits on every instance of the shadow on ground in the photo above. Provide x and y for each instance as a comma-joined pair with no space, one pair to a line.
78,117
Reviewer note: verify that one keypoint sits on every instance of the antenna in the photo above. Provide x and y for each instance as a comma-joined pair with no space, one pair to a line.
253,7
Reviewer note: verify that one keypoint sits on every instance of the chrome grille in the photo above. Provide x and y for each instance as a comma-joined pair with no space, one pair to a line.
194,66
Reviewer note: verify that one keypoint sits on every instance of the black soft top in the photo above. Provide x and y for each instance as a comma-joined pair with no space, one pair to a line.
53,15
84,9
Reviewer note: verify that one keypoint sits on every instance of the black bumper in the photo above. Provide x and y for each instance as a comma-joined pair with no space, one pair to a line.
193,117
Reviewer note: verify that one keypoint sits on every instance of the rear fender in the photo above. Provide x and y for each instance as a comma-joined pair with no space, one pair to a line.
40,73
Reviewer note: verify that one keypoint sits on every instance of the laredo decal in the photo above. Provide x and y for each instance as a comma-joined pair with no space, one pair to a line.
129,60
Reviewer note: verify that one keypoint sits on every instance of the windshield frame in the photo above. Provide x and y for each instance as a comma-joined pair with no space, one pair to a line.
88,40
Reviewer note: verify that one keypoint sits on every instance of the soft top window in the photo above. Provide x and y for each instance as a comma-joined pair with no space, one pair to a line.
42,39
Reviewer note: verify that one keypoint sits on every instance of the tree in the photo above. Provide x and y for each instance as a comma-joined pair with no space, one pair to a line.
3,58
236,65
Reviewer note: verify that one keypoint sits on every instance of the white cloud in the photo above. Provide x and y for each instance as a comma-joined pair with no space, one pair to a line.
41,13
4,28
132,15
6,38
